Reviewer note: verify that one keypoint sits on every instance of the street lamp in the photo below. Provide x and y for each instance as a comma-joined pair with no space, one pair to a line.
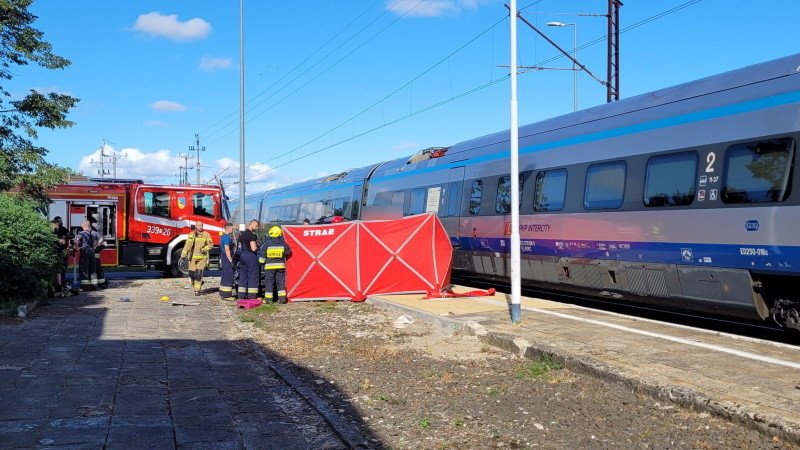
575,56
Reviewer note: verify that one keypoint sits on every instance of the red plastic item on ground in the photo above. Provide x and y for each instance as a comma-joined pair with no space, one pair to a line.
448,293
352,260
248,303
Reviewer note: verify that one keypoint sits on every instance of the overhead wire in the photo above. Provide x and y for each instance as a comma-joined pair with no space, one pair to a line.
325,44
449,100
319,61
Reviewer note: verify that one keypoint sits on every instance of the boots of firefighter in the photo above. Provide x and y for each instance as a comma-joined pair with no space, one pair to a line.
280,282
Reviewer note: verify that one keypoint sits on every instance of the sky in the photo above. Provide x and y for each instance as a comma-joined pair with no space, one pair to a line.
332,85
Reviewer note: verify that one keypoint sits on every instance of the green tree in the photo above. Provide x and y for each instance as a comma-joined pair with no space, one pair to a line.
22,163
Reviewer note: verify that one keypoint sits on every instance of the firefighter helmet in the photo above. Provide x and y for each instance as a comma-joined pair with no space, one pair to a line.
275,231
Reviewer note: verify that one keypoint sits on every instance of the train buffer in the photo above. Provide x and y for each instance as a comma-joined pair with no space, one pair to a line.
752,381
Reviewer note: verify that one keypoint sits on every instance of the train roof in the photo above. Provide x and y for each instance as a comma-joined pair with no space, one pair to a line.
781,67
786,66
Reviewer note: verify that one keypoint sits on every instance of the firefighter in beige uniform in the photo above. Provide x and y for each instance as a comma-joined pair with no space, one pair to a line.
197,246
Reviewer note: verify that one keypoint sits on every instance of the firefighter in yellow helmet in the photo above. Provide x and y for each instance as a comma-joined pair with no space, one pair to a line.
196,248
274,252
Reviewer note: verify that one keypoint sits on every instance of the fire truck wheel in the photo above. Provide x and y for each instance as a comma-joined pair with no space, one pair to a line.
179,267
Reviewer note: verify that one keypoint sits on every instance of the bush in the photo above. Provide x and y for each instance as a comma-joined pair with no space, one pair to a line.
28,256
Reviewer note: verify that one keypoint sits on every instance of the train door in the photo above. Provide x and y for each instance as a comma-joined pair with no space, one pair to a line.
356,203
451,219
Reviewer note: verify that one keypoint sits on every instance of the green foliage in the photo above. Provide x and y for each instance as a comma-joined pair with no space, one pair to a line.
22,163
28,256
538,370
425,423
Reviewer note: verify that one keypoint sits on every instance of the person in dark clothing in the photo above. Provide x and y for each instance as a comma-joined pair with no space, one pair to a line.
275,251
249,270
62,234
86,242
226,255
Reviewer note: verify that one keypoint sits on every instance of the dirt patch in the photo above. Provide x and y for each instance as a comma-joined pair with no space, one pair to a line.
413,386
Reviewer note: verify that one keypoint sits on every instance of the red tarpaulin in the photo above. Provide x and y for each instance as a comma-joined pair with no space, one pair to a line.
351,260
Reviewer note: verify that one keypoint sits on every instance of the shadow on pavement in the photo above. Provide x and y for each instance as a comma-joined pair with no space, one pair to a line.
93,371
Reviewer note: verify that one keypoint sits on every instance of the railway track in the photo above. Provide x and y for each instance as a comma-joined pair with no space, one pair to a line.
740,329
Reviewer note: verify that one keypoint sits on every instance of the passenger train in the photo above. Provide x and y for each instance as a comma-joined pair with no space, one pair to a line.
683,198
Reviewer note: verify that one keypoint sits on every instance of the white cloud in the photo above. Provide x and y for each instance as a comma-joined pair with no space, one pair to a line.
153,167
154,123
260,177
432,8
167,106
168,26
211,64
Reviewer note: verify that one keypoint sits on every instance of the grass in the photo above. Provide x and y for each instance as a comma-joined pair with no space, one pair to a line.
325,306
492,391
460,422
425,423
539,369
390,399
256,316
433,373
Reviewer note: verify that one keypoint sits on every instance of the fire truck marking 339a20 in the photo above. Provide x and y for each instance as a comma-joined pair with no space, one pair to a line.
142,224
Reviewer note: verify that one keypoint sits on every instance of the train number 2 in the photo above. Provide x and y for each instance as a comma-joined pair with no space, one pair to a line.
710,158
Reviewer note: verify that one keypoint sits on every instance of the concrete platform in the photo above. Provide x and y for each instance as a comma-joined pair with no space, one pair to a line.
752,381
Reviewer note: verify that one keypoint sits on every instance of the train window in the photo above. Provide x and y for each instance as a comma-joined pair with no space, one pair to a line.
417,204
670,180
338,206
156,204
758,172
383,199
475,197
453,197
605,185
503,200
203,204
398,198
551,188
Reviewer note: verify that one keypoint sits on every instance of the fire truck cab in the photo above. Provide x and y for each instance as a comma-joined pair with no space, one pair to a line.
141,224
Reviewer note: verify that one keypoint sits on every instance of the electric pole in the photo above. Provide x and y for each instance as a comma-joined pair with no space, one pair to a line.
184,169
612,75
199,149
114,158
102,163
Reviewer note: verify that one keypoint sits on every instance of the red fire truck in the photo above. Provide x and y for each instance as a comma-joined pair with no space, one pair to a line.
142,224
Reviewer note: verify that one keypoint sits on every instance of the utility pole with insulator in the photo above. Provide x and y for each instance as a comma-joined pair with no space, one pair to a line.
198,149
184,169
612,76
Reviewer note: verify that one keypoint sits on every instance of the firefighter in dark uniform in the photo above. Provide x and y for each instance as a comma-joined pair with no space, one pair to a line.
226,255
249,270
85,241
99,245
275,251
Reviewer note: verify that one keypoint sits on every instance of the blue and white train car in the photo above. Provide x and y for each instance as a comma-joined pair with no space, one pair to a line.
684,198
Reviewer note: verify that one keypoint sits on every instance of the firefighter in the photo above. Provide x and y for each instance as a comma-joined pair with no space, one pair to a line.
197,246
99,244
226,263
275,252
249,270
86,262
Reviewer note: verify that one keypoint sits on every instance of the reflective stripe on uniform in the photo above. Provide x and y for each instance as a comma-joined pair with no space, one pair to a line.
275,252
252,290
281,293
226,288
198,256
267,295
261,260
275,266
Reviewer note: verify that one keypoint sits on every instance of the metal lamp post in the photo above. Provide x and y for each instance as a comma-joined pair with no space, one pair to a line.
575,56
516,280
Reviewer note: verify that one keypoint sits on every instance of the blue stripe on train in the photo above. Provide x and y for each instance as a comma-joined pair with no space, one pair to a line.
763,258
